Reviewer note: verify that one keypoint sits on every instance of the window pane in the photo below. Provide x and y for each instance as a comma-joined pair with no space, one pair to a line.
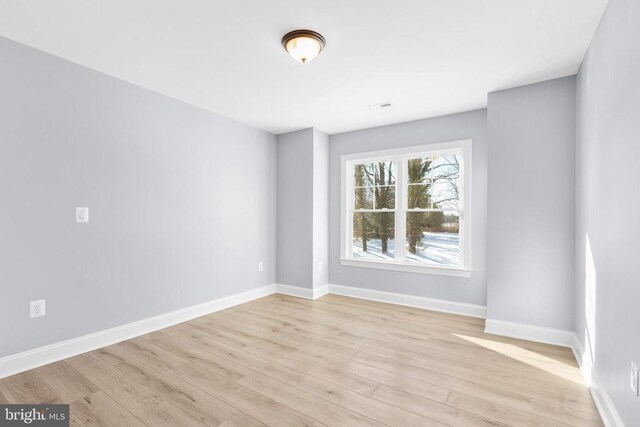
444,194
373,235
419,196
434,182
361,176
372,174
384,173
446,166
363,198
419,170
433,237
385,197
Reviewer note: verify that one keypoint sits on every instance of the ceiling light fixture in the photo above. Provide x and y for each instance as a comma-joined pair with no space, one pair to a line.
303,45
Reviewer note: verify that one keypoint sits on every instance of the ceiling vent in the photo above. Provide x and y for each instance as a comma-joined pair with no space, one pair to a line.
379,105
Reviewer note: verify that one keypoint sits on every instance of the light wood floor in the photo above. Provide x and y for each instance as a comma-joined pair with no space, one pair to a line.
335,361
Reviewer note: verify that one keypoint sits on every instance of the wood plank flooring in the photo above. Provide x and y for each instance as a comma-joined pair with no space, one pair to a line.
334,361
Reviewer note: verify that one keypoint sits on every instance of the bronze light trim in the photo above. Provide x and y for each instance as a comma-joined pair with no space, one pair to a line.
291,35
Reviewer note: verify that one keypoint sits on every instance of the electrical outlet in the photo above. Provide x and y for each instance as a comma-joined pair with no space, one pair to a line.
260,266
37,308
634,379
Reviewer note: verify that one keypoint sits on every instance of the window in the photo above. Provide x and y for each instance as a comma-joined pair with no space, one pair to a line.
408,209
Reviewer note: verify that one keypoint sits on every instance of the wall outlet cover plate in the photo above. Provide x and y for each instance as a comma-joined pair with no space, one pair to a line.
37,308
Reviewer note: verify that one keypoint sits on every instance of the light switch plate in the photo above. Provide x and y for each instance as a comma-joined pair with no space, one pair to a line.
634,379
82,214
260,266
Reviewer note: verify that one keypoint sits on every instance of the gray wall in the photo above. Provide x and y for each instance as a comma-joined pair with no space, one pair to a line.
531,204
470,125
320,208
295,208
303,200
608,202
182,201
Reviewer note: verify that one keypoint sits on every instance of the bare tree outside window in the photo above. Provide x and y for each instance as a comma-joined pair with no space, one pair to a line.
374,200
432,210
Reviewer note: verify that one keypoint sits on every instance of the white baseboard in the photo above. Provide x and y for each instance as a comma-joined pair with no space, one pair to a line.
320,291
381,296
294,291
411,301
527,332
31,359
300,292
608,412
16,363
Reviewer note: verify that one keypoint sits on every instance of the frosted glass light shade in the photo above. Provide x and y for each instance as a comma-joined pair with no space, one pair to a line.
303,45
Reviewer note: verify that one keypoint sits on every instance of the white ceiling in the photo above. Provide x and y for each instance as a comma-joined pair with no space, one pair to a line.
428,57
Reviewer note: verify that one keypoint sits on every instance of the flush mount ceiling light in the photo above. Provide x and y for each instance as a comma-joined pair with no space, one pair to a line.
303,45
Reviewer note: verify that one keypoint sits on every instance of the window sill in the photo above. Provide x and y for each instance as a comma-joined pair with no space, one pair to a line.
410,268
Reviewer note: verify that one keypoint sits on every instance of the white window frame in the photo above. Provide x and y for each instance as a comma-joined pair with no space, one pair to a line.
400,156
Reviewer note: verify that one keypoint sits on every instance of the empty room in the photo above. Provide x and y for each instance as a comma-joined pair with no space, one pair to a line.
328,213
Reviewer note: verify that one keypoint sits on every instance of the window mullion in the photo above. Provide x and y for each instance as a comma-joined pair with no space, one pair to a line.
350,204
401,202
462,219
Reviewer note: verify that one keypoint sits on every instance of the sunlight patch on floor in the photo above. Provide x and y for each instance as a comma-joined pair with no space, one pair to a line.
547,364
